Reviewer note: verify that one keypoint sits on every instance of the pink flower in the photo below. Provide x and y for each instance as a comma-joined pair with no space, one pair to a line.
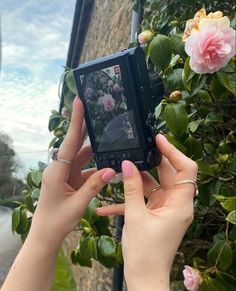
108,102
88,92
212,46
192,278
116,88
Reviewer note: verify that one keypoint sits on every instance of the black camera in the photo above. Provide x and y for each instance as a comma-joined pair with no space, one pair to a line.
119,104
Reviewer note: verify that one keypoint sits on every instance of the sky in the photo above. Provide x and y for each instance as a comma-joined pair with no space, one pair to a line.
35,41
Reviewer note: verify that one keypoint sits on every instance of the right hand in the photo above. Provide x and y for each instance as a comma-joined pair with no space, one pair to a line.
153,232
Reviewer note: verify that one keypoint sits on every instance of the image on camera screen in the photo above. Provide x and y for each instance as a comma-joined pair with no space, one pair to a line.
112,122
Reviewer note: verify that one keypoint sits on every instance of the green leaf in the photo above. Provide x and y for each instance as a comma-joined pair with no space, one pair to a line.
35,194
220,254
119,254
228,203
15,219
29,202
228,80
176,118
70,81
188,74
174,80
160,51
36,177
178,44
84,247
90,213
204,96
205,168
106,246
92,245
24,223
229,282
213,117
63,279
232,217
176,143
193,147
217,89
193,125
54,122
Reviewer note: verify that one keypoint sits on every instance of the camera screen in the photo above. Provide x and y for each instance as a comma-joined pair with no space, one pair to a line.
108,108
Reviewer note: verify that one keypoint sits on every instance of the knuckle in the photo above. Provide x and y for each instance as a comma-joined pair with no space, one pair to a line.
194,166
130,188
94,185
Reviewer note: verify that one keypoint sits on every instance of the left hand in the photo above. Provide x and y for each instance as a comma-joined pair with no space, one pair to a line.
67,190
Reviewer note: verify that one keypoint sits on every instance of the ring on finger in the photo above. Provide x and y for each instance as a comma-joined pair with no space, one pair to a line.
150,191
189,182
54,157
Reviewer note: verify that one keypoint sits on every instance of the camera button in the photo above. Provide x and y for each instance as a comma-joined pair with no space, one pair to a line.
112,162
124,156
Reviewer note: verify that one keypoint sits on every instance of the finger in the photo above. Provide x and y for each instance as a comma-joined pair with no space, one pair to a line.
178,160
72,141
88,172
117,209
166,174
149,183
93,185
83,133
133,188
82,158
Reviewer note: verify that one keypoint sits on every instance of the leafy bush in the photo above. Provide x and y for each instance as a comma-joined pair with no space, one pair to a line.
197,115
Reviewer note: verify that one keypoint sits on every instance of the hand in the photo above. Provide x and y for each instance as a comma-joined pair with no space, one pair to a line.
153,232
66,191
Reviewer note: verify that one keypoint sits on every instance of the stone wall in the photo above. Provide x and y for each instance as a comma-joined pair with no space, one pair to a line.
108,32
109,29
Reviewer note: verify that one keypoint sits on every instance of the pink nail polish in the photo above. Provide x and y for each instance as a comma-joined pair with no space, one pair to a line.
127,168
108,175
76,97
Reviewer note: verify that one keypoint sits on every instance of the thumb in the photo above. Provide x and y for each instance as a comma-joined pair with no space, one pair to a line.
133,187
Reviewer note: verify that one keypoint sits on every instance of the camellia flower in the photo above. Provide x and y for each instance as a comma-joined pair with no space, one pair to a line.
88,92
108,102
116,88
192,278
145,36
212,46
193,24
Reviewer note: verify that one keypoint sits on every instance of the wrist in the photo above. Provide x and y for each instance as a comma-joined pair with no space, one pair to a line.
151,281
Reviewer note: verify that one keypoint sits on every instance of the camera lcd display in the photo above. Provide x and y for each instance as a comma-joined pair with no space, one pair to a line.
110,115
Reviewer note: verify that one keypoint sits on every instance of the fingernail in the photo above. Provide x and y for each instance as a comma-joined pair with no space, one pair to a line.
162,138
99,208
76,97
108,175
127,168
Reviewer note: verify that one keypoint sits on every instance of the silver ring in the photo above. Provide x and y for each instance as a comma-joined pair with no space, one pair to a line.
153,189
189,182
54,157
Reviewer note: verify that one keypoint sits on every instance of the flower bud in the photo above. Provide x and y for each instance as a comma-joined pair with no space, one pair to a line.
145,36
223,158
175,96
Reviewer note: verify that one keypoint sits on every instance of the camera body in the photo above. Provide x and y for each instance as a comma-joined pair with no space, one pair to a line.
119,105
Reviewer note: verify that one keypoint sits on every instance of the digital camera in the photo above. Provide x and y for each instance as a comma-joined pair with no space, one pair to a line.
119,104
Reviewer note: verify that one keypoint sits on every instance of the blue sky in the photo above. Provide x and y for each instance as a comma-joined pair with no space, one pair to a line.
35,41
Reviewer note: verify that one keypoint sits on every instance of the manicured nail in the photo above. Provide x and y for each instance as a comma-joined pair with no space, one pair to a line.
76,97
162,138
127,168
108,175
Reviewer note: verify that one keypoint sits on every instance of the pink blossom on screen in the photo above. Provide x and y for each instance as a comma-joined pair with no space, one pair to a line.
116,88
88,92
108,102
212,46
192,278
